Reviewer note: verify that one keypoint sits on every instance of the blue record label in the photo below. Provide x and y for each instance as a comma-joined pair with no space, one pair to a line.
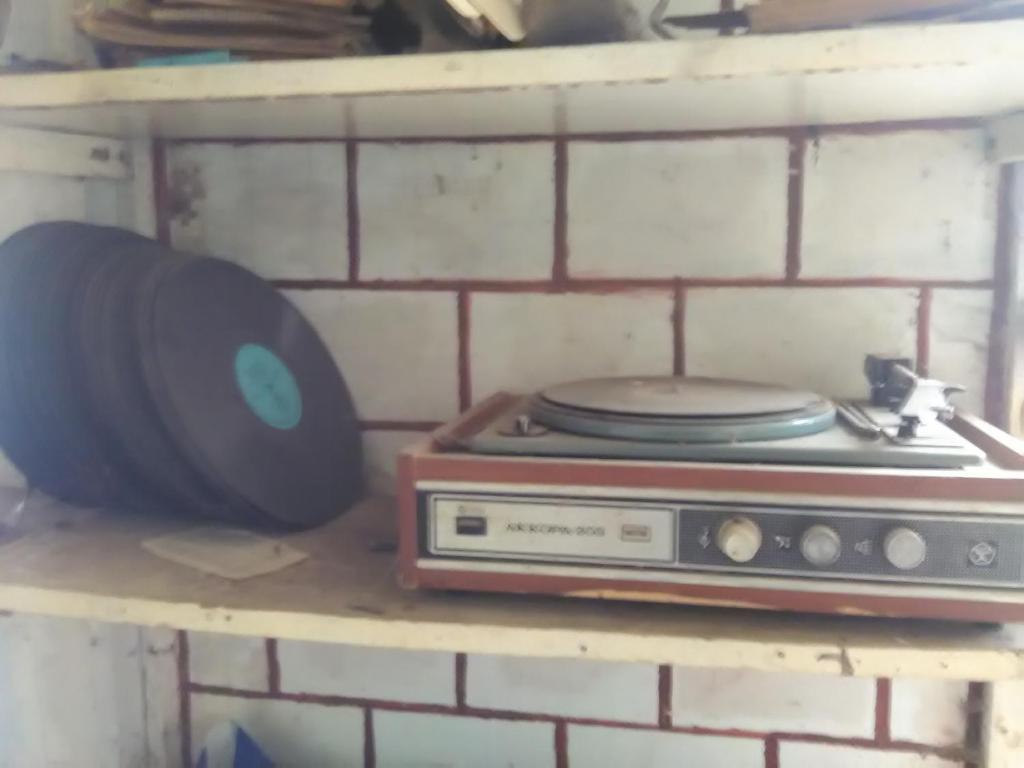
268,386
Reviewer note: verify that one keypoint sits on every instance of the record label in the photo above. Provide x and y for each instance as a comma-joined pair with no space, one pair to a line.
268,386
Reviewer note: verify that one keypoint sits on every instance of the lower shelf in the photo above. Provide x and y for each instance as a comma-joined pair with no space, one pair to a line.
90,565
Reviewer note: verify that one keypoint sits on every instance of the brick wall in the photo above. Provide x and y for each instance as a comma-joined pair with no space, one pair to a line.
453,269
450,269
312,704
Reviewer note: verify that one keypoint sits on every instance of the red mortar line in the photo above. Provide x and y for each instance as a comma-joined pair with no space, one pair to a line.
460,682
369,740
998,375
665,697
463,373
924,326
185,690
161,191
273,667
618,285
935,124
352,207
771,752
883,707
679,330
795,203
560,266
497,714
561,744
975,723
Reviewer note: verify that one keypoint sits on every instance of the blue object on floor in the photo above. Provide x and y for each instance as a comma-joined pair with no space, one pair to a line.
229,746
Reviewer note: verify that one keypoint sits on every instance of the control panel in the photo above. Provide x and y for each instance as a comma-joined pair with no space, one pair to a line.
875,544
897,545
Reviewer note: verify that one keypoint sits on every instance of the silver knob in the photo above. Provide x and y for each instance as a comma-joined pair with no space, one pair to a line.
739,538
904,548
820,545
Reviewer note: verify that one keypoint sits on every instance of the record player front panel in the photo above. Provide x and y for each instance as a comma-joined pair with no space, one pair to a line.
675,534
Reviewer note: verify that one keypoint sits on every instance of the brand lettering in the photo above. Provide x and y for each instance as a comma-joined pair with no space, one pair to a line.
550,529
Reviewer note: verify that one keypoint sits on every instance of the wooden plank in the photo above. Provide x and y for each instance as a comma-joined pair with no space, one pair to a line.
821,78
63,154
86,564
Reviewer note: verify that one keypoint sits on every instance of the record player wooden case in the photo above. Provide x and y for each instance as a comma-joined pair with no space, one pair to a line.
859,540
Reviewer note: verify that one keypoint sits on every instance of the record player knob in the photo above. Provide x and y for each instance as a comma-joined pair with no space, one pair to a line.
904,548
820,545
739,538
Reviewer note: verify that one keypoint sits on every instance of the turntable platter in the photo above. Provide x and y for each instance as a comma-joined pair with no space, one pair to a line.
679,397
681,410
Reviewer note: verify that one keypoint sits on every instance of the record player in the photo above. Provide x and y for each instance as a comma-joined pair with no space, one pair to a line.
715,492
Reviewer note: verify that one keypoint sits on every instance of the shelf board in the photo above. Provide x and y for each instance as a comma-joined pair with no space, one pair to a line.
820,78
90,565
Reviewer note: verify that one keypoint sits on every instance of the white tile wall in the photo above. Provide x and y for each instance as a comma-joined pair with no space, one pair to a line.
380,454
928,711
807,337
291,734
405,740
800,755
278,209
759,701
913,204
373,673
456,210
73,695
708,208
522,342
593,746
28,198
571,688
228,660
958,344
397,350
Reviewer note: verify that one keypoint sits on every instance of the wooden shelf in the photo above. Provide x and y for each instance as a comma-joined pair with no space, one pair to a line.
90,565
867,75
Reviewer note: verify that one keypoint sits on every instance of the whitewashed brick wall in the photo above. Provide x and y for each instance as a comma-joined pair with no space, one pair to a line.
398,708
458,268
678,209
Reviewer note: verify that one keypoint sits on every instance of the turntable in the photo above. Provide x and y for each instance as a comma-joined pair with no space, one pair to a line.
716,492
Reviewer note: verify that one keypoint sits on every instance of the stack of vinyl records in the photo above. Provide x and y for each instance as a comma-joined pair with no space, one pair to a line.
136,377
271,28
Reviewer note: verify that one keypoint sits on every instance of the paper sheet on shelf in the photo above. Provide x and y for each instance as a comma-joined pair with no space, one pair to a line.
228,552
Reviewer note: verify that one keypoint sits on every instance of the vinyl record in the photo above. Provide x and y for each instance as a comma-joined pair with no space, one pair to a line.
110,374
248,392
52,436
132,376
